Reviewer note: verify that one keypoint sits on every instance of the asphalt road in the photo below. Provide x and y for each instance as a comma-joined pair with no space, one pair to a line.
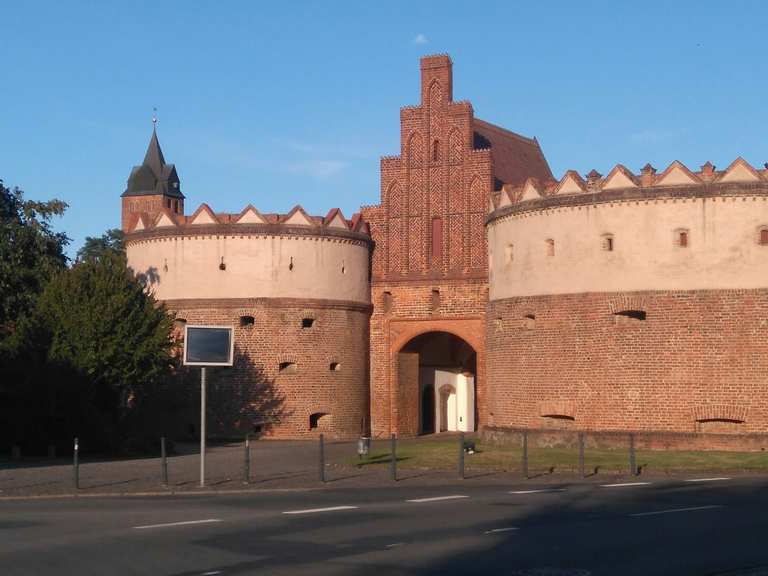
713,526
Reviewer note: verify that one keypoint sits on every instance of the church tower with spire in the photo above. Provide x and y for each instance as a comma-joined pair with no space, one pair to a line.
153,187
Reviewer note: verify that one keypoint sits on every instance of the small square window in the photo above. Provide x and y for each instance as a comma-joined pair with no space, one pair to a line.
682,238
307,322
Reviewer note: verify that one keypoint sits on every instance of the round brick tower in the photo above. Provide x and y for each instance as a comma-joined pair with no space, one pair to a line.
631,302
294,286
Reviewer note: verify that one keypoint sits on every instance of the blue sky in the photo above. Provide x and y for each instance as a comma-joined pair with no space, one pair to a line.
294,102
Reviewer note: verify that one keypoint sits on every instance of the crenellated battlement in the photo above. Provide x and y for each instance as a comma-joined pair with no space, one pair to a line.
205,217
621,183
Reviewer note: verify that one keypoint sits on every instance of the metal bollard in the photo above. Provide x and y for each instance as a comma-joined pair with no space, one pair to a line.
247,460
393,459
525,454
76,465
632,463
163,462
581,454
461,456
322,459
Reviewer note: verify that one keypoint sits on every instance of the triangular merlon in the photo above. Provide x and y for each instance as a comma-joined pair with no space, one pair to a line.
620,177
165,219
571,183
250,215
677,174
335,219
531,190
740,171
297,217
203,215
138,222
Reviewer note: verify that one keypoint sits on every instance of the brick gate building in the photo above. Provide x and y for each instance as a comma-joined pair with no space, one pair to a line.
481,290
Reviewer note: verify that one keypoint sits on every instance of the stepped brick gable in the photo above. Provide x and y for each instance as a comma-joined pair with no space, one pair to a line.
430,265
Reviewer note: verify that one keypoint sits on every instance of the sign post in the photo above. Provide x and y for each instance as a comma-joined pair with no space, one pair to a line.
207,346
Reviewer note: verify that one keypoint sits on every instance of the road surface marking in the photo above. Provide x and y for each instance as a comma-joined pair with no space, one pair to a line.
497,530
537,491
624,484
673,510
705,479
187,523
437,498
395,545
212,573
313,510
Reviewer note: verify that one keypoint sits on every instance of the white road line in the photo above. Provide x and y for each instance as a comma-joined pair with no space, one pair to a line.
624,484
314,510
673,510
537,491
187,523
705,479
438,498
497,530
395,545
212,573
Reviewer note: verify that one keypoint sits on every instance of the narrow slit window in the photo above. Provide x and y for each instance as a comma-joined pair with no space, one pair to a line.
550,246
763,236
509,253
608,242
386,301
682,238
435,151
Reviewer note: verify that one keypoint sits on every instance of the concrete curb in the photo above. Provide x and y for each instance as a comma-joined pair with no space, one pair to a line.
154,494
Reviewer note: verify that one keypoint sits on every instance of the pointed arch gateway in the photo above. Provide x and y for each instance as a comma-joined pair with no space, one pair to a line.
436,382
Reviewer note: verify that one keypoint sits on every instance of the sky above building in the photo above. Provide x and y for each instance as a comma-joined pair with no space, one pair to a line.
276,104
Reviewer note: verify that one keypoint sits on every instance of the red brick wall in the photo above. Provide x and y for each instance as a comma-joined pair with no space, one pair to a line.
697,363
438,175
151,205
339,334
460,312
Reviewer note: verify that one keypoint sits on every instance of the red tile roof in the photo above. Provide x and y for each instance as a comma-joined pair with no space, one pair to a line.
515,157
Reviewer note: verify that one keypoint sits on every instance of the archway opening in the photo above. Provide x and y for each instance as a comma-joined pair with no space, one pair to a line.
437,385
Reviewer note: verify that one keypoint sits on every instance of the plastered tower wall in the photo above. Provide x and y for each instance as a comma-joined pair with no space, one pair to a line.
631,302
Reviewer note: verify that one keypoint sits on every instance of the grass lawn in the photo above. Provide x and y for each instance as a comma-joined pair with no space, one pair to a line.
443,454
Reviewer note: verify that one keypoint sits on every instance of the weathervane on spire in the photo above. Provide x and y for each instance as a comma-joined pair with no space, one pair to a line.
154,118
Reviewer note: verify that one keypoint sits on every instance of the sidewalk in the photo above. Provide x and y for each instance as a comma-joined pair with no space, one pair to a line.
275,465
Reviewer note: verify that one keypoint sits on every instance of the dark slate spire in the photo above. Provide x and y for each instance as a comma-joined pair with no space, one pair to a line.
154,176
154,157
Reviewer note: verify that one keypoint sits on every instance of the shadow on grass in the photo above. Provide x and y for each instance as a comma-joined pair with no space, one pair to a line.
381,458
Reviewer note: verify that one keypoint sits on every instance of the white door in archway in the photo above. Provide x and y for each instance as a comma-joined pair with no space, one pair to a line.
447,408
454,401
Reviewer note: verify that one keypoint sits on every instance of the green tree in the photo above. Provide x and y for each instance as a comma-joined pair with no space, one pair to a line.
107,335
112,240
30,253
